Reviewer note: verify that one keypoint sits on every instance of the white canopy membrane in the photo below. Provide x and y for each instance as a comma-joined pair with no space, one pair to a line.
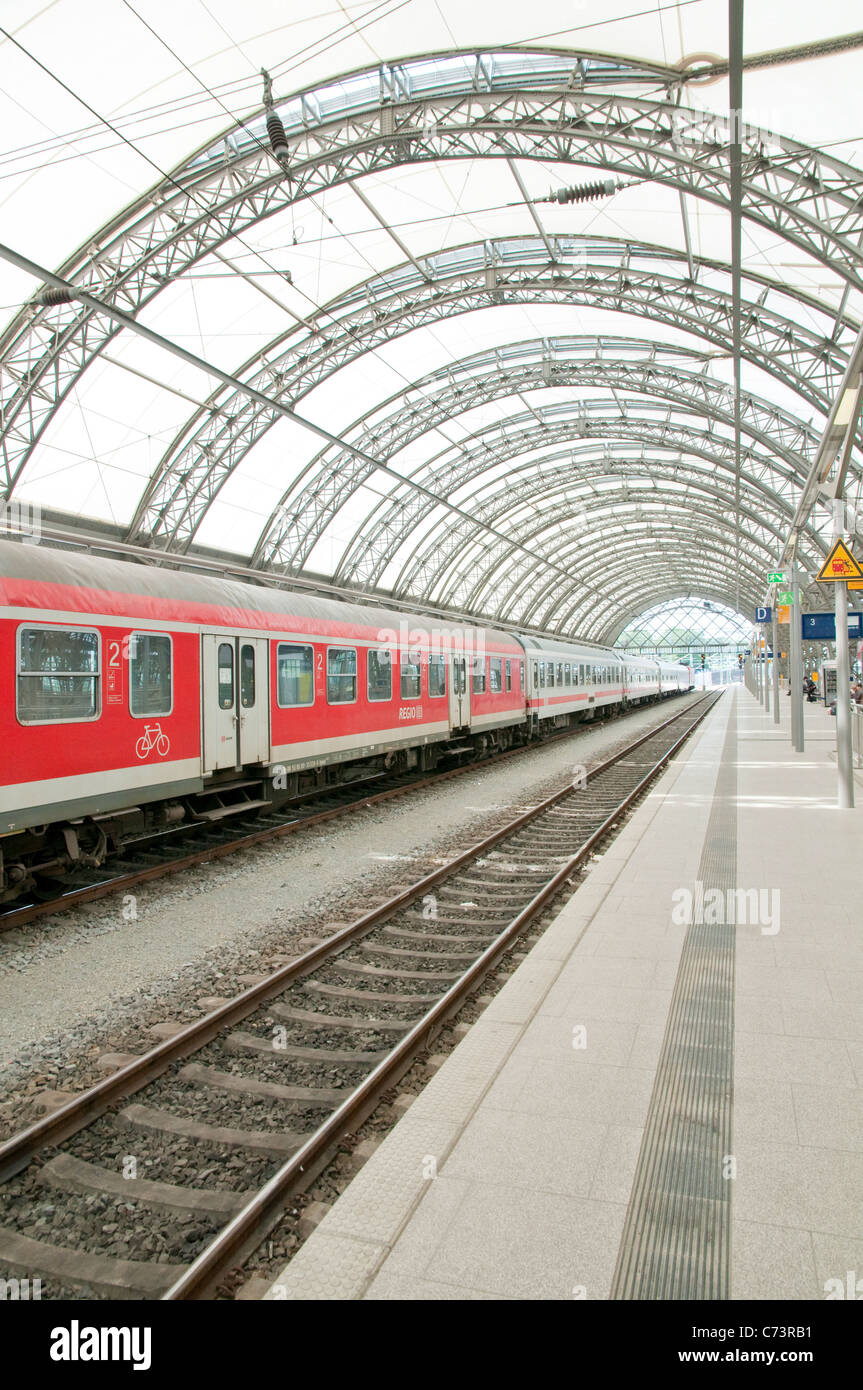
499,276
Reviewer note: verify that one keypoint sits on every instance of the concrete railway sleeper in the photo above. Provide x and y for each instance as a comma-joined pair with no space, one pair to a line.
200,1166
187,845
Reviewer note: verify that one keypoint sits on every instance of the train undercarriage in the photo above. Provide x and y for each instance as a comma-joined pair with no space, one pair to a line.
46,855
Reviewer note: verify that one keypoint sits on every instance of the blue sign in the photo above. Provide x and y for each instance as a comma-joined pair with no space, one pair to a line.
764,615
821,627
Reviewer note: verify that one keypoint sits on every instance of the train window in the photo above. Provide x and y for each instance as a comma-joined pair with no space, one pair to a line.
341,675
379,673
247,675
411,675
149,675
536,676
560,673
508,673
549,673
567,674
478,675
459,676
295,681
437,676
58,675
521,674
542,675
495,675
225,664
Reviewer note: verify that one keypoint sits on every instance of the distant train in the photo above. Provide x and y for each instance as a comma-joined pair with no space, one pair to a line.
147,697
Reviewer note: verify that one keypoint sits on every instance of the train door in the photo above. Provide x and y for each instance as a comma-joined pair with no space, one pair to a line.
459,694
235,700
254,693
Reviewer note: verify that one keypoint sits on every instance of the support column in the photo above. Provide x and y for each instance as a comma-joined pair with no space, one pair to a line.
844,757
775,667
795,674
767,673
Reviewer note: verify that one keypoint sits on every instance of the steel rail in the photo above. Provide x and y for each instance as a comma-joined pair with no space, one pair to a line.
81,1110
17,917
257,1218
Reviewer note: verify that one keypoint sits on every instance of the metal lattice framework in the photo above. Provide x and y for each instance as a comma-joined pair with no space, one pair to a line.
650,282
660,491
585,485
690,623
588,110
655,402
626,367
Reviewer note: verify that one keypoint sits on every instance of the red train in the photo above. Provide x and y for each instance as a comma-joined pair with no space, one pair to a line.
136,698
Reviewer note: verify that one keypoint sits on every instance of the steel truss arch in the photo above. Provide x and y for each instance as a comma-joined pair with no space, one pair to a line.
643,556
636,607
643,483
426,567
570,362
304,516
618,275
542,532
571,108
574,609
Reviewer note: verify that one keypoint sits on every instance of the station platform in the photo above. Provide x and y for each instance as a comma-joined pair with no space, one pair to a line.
657,1104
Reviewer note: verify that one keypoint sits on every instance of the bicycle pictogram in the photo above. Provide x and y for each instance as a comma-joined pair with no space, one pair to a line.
151,738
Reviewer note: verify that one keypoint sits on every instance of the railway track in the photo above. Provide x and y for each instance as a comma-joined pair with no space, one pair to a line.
161,1197
187,846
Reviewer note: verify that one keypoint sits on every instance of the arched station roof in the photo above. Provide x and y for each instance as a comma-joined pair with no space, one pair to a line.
528,396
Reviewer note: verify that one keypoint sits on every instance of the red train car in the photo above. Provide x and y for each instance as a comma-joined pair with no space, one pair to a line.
136,697
142,697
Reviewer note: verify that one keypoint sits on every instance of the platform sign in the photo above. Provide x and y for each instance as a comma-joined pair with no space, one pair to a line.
840,564
783,613
777,577
821,627
764,615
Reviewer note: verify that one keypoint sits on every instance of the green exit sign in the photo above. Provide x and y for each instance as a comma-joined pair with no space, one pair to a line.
786,596
777,577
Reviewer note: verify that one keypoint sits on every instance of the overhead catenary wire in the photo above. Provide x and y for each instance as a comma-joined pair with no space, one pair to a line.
126,320
555,197
56,295
178,105
277,135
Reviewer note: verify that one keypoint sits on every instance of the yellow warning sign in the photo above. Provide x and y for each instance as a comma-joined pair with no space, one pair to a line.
840,564
856,584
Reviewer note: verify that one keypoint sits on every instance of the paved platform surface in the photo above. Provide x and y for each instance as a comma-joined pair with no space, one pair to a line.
651,1106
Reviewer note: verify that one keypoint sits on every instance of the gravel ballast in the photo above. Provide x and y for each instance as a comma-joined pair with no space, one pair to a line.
96,978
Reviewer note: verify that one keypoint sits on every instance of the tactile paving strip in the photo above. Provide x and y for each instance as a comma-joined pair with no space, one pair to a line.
676,1240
